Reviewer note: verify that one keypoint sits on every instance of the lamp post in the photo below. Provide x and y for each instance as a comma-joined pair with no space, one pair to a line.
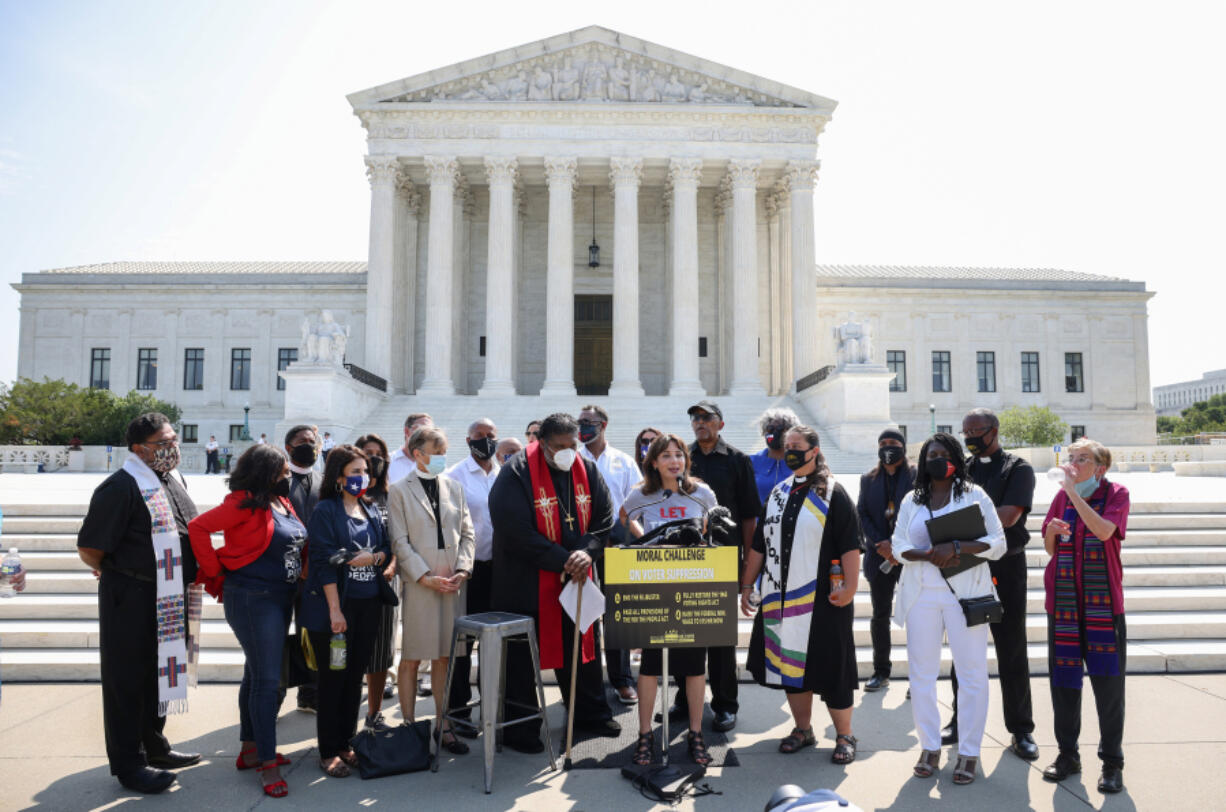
932,413
246,436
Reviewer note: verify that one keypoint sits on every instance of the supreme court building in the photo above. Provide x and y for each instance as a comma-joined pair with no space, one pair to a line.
592,215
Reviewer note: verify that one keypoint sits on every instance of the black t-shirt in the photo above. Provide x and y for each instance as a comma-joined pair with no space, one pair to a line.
1008,480
729,473
118,524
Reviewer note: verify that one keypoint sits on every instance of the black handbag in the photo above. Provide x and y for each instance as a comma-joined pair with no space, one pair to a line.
977,611
387,595
294,666
402,749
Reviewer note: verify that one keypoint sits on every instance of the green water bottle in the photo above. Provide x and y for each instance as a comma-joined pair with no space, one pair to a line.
336,653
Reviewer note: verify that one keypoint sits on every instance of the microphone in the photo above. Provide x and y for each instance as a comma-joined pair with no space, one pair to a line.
664,497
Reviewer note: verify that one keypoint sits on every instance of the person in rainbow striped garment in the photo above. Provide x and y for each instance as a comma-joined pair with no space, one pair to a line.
802,639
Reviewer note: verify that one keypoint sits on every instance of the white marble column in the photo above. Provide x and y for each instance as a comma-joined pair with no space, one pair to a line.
443,172
626,174
381,170
684,175
499,281
404,321
560,280
802,175
746,379
775,316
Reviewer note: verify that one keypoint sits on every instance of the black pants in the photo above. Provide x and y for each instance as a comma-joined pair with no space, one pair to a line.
308,694
591,705
721,669
1012,661
616,661
881,588
1108,699
210,462
340,692
477,601
127,652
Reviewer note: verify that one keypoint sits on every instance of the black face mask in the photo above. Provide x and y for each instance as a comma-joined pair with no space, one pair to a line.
939,469
587,433
890,454
483,447
303,456
774,440
978,445
376,466
281,488
794,458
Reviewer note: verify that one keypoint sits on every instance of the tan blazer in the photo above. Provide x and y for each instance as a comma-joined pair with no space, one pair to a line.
429,616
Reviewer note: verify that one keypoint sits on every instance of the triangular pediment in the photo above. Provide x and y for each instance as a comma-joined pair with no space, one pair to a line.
591,65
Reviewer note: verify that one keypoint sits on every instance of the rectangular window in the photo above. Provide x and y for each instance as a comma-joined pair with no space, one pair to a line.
896,360
942,380
240,368
481,347
1076,433
236,432
193,368
985,370
903,431
1074,380
702,346
147,369
944,429
100,368
1030,372
285,357
190,433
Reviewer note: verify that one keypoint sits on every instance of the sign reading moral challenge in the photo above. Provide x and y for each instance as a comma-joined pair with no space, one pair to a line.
675,597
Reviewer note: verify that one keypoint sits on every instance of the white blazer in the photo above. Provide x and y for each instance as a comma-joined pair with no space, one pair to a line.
972,583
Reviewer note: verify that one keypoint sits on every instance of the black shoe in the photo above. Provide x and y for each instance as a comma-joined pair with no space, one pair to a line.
601,727
1112,780
949,734
1025,748
147,779
676,713
876,683
174,760
723,722
464,728
305,706
525,745
1060,769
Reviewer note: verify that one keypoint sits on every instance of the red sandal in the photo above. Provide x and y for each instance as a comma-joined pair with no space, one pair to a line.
239,764
277,789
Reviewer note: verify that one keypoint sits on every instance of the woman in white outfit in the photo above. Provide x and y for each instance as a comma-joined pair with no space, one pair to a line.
927,603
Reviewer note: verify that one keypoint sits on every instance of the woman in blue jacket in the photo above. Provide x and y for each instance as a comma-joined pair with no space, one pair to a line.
348,548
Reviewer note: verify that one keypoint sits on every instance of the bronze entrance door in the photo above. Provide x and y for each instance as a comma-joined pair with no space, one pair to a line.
593,344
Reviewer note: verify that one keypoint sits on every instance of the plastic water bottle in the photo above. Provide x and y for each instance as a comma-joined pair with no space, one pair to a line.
836,576
336,653
1056,475
9,567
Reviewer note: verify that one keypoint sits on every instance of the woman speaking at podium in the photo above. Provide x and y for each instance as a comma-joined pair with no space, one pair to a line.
802,639
667,494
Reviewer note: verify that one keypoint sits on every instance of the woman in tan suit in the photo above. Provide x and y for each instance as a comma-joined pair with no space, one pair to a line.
432,539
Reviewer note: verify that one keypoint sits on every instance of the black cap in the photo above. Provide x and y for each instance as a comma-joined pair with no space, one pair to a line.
705,406
892,433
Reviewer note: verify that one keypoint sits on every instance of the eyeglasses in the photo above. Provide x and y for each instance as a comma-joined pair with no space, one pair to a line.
171,443
702,417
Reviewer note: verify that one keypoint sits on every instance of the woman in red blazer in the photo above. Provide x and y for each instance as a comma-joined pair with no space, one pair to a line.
254,573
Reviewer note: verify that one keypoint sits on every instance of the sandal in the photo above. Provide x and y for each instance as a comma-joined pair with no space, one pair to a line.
698,748
844,749
928,764
448,740
643,749
964,772
797,739
278,788
349,757
338,770
240,763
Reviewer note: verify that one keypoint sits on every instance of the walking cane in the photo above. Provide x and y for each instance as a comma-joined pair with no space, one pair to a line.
574,672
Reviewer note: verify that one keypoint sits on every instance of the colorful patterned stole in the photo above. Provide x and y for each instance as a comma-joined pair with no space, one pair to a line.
178,610
787,611
549,522
1089,609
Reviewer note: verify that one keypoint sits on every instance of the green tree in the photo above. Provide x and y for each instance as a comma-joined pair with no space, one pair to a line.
1205,415
52,412
1168,425
1034,426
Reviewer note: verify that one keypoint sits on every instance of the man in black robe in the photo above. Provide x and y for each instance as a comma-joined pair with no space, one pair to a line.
116,540
522,552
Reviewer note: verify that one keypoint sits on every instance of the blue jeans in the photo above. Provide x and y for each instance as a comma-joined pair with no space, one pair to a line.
260,620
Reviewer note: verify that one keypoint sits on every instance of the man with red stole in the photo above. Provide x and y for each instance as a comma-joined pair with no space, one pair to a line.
551,514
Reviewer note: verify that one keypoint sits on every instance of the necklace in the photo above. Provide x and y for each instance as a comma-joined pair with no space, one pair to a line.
567,516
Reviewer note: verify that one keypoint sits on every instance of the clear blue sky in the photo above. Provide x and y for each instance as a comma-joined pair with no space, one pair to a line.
1082,135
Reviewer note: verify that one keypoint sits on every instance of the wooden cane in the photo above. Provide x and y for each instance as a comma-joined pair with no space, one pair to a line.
574,672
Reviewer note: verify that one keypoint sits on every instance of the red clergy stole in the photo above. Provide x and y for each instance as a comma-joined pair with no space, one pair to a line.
548,517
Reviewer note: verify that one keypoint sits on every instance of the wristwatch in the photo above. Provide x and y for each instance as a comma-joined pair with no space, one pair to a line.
957,547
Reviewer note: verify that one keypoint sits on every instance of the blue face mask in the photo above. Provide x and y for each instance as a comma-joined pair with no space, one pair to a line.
357,484
436,466
1085,489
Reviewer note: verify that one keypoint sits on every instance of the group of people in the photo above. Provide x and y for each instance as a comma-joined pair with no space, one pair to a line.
340,554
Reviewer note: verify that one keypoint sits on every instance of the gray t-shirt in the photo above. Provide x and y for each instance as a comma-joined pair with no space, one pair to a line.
650,512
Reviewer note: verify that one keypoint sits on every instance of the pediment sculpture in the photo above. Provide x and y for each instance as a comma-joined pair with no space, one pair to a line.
323,341
855,342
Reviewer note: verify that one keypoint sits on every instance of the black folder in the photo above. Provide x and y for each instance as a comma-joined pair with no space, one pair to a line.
965,524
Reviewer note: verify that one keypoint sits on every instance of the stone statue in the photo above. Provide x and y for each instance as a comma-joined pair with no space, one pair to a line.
674,90
323,343
517,87
594,77
646,89
855,342
619,82
566,82
541,88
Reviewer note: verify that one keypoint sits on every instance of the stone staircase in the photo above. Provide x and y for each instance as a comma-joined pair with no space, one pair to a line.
1174,590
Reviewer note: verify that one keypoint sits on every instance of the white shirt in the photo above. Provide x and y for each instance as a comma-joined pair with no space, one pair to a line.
619,470
329,444
211,445
399,466
477,484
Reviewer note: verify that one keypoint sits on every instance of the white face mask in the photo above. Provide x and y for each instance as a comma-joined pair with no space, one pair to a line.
564,459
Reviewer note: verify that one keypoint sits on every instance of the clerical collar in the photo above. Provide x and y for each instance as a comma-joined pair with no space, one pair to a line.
800,480
299,471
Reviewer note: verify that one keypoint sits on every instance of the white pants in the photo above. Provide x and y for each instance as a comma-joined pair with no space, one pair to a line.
936,612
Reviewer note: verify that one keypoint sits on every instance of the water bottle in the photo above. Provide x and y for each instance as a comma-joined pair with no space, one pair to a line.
836,576
755,599
1056,475
9,567
336,653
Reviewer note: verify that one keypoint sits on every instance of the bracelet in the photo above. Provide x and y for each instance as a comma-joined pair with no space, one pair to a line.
957,547
745,587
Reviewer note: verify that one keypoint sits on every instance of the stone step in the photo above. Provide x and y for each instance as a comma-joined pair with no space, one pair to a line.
1150,556
1153,521
226,665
